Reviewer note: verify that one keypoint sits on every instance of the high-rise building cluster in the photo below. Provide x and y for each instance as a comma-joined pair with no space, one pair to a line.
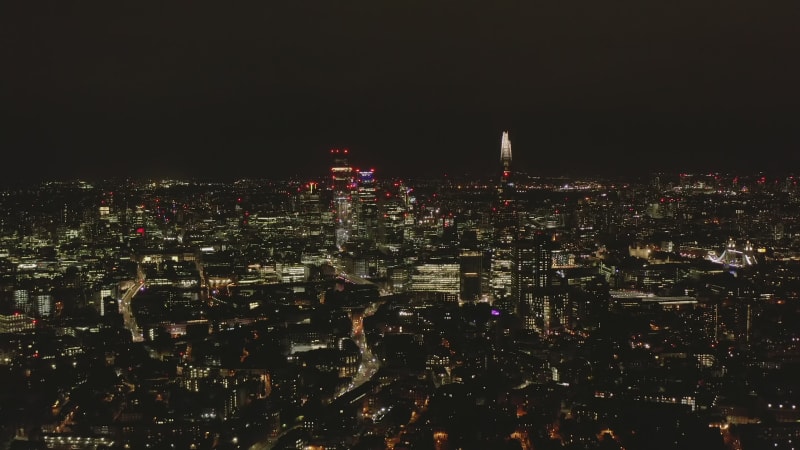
347,310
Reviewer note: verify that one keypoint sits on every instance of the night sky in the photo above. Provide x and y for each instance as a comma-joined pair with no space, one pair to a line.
412,88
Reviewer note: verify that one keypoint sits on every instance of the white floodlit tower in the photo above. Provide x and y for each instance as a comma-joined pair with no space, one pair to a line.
505,152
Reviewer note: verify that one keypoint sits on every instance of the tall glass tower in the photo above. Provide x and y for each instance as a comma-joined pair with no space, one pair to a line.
532,262
506,188
505,158
367,214
342,182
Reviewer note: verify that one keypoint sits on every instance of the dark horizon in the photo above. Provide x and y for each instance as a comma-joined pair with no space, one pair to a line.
413,89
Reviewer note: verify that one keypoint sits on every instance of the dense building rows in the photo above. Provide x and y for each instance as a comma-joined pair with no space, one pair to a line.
354,312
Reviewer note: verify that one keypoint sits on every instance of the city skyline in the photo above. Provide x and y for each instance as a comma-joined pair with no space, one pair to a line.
98,90
369,314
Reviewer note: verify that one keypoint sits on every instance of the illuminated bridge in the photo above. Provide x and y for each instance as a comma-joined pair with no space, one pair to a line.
733,257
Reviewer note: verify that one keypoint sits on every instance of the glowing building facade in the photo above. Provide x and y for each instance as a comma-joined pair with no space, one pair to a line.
367,211
393,217
342,183
532,263
505,157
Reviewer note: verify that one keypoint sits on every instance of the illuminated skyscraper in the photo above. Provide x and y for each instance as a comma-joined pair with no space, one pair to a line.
315,219
473,275
342,184
505,158
506,188
393,214
367,211
536,302
505,220
532,261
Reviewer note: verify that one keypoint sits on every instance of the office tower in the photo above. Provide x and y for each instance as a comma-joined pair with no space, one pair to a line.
505,157
506,180
310,208
317,219
531,287
532,261
44,304
342,182
438,276
367,210
735,319
394,206
473,275
22,300
506,212
16,323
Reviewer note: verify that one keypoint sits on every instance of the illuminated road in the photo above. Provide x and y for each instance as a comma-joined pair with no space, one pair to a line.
355,279
127,313
369,365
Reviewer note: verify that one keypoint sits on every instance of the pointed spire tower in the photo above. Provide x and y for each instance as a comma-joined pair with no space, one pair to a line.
505,157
